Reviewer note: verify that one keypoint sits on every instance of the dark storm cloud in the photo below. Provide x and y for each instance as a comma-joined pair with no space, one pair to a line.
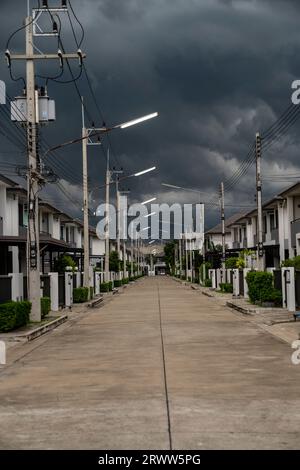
217,71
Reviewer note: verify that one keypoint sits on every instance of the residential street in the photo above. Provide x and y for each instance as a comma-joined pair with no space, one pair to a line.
102,383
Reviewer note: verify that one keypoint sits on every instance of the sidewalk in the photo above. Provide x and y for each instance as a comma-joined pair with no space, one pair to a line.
279,322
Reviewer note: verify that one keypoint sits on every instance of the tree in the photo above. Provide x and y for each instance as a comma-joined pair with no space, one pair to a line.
114,262
63,262
169,250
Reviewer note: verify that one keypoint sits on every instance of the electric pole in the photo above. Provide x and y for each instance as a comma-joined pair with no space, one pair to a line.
260,248
33,232
191,258
180,257
108,181
34,178
86,247
222,201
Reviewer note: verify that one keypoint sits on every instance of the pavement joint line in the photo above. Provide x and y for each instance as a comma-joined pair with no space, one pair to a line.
164,369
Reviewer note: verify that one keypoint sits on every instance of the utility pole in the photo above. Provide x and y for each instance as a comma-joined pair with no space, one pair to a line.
86,244
34,178
108,181
186,259
33,231
191,258
131,264
222,201
260,248
180,257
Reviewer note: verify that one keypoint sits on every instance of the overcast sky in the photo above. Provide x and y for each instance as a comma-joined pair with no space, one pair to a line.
217,71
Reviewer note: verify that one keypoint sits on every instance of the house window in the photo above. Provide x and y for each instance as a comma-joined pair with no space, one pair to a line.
265,224
61,232
274,220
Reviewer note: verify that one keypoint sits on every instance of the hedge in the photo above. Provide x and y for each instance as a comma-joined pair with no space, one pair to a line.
14,315
118,283
261,289
45,306
80,295
125,280
106,287
208,283
226,287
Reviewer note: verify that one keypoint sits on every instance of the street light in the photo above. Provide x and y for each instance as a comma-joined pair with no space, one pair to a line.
138,120
149,200
149,215
87,134
145,171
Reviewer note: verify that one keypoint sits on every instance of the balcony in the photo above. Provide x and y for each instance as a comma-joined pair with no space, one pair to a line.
275,235
245,243
295,228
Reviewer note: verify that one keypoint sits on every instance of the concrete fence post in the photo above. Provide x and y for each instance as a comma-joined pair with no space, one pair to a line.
211,276
218,278
97,282
236,282
69,289
288,289
246,290
54,291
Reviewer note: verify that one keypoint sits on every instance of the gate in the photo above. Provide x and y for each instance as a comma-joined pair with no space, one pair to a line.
5,289
25,292
45,285
61,290
297,287
241,283
277,279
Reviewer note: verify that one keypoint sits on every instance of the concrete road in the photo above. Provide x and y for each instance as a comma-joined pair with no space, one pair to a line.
159,366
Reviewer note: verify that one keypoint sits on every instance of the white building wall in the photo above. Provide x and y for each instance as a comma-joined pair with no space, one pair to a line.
97,247
55,227
11,219
78,237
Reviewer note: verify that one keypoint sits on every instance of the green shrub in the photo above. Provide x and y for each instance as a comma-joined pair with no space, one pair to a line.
261,288
45,306
226,287
291,263
14,315
91,292
204,267
208,283
231,263
80,295
106,287
275,296
118,283
125,280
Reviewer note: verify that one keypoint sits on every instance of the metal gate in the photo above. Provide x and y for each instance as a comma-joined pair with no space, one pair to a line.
241,283
5,289
297,287
45,285
277,279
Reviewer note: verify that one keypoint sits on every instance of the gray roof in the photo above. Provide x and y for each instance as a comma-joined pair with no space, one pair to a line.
229,221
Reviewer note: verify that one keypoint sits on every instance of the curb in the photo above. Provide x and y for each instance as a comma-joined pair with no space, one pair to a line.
240,309
41,330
